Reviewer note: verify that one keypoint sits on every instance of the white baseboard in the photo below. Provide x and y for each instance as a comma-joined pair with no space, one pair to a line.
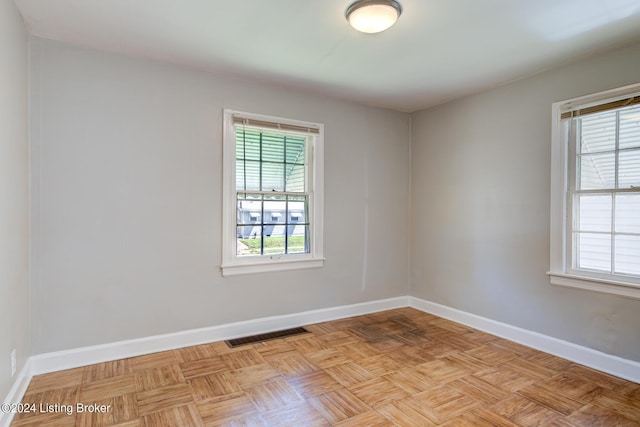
67,359
614,365
16,392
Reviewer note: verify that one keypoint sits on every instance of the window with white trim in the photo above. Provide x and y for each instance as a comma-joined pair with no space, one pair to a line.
273,194
595,222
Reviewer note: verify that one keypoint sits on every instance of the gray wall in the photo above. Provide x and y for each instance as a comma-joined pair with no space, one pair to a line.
127,190
480,208
126,215
14,194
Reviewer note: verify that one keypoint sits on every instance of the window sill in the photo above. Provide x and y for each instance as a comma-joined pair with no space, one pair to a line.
613,287
271,265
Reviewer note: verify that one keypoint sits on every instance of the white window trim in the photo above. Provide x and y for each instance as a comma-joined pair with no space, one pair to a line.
233,265
560,272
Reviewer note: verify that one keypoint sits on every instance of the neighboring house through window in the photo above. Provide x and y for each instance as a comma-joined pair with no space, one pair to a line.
595,223
273,173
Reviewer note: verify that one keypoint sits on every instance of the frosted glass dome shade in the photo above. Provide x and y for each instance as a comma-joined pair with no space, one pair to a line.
370,16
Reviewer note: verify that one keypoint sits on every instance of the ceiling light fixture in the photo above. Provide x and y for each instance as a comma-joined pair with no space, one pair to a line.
373,16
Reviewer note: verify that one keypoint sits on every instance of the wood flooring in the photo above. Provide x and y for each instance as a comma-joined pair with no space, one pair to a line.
394,368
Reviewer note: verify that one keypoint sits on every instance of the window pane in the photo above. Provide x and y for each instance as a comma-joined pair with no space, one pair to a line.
594,212
629,169
295,178
598,132
275,211
630,127
248,211
593,251
247,144
295,150
249,231
272,148
249,216
247,175
274,241
628,255
297,212
272,177
298,241
269,161
597,171
248,240
628,213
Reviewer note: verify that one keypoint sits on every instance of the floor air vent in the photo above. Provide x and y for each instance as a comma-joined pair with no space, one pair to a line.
266,337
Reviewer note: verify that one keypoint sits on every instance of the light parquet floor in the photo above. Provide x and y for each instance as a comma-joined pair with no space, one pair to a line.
394,368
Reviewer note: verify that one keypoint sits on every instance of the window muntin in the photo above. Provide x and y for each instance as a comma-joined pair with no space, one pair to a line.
273,193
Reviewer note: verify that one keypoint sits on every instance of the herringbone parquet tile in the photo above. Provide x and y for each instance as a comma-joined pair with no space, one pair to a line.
395,368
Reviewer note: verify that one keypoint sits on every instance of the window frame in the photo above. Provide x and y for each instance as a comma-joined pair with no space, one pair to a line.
231,263
561,270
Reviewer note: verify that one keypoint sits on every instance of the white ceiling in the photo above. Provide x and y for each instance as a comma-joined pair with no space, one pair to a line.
437,51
